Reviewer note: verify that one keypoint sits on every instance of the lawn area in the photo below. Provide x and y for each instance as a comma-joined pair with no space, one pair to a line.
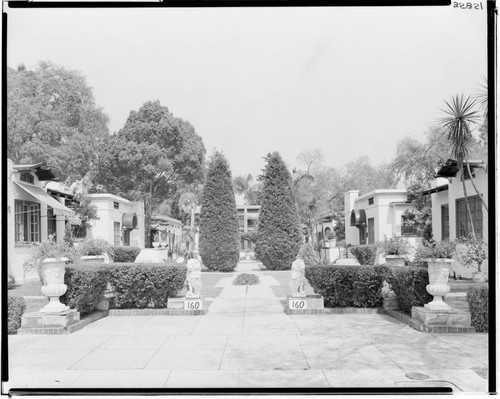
30,289
283,277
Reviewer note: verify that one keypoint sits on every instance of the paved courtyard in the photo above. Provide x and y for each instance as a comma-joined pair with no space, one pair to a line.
246,340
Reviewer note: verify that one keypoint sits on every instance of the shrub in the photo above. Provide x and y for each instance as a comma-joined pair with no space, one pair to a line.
348,286
95,246
439,250
219,229
125,254
472,251
145,285
478,307
246,279
409,285
309,255
15,310
279,235
86,285
365,254
394,246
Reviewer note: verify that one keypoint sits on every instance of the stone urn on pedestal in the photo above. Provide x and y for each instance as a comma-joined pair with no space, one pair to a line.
439,258
439,272
52,274
50,259
395,250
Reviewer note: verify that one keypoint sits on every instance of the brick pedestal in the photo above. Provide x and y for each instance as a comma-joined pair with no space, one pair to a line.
308,304
453,320
49,323
187,306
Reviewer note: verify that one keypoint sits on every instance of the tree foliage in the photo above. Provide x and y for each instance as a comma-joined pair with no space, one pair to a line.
150,156
279,235
52,117
219,229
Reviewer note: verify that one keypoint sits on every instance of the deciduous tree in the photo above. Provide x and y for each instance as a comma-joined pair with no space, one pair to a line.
150,156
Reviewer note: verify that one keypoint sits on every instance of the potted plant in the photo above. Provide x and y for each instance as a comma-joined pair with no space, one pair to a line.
156,240
49,259
472,252
395,250
95,251
330,237
438,256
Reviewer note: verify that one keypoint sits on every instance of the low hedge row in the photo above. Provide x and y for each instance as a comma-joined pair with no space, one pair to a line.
365,254
86,284
125,254
478,307
15,309
145,285
409,286
348,286
135,285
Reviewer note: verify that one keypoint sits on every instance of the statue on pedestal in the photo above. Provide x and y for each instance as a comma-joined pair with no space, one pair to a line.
193,277
298,280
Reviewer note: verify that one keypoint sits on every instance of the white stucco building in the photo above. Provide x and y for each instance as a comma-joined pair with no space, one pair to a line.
449,215
120,223
379,213
33,213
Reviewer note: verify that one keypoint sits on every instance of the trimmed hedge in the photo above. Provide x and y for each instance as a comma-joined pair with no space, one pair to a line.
145,285
86,285
219,229
365,254
348,286
125,254
279,235
15,310
478,307
409,286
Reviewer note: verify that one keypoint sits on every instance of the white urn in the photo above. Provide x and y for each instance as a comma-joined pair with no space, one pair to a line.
439,271
52,273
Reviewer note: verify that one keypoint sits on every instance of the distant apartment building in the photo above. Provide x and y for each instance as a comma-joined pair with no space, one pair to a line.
120,223
248,216
379,213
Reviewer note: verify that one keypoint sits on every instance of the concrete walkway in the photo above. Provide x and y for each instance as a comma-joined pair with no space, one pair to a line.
246,340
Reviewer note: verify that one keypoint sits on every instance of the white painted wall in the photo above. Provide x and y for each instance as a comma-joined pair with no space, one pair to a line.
104,227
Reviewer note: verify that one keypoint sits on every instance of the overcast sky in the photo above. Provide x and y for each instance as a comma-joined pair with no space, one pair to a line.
351,81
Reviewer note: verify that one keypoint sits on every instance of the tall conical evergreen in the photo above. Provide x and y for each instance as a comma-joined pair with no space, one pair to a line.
219,231
278,236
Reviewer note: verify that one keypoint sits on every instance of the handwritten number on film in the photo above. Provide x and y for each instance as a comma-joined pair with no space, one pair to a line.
468,6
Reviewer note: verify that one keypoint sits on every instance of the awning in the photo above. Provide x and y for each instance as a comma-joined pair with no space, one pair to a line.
435,190
129,221
358,217
42,196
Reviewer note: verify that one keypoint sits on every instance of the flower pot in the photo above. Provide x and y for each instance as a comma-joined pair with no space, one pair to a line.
93,259
394,260
478,277
156,244
52,273
439,272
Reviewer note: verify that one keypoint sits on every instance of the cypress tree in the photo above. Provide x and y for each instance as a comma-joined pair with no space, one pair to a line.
219,230
278,236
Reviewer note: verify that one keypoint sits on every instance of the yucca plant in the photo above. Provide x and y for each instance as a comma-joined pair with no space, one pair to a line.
463,114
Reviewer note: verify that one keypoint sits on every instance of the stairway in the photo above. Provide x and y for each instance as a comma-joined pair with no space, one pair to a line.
350,260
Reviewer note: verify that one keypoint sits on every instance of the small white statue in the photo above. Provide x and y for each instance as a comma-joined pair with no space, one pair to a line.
193,277
298,280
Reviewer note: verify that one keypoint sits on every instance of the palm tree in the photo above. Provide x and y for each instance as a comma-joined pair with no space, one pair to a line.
188,203
462,114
